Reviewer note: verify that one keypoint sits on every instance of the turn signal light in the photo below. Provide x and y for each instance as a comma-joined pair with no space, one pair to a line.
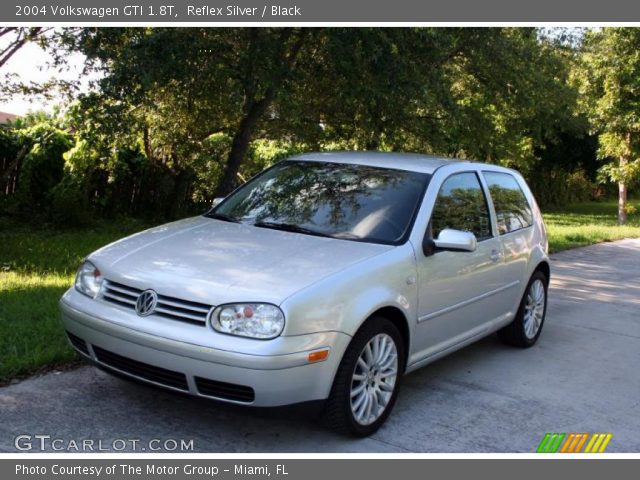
318,356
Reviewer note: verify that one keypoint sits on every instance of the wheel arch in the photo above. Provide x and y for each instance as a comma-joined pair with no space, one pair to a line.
545,268
398,318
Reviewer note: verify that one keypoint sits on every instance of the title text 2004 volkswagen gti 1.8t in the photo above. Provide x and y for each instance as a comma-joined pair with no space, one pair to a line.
326,277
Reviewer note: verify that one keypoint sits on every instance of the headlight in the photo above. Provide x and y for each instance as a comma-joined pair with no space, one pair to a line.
88,279
255,320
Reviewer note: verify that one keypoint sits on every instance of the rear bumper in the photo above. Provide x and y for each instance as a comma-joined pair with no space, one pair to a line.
280,376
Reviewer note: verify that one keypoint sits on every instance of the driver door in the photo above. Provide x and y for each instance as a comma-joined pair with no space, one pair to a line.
459,291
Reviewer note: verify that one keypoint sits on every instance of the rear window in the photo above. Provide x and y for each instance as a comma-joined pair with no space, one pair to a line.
513,211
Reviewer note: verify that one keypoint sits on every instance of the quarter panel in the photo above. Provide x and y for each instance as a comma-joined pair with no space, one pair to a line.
516,247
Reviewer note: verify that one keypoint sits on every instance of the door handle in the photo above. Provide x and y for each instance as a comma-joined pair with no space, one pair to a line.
495,255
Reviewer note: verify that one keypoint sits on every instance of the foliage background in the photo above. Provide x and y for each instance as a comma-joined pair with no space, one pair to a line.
181,115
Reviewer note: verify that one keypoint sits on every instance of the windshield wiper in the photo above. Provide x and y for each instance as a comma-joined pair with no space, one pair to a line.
290,227
222,216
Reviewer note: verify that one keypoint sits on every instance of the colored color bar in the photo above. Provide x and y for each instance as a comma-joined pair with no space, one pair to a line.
574,442
591,442
568,444
605,442
596,446
542,448
583,438
557,441
576,439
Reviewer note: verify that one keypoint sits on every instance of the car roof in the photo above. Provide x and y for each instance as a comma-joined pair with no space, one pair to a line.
401,161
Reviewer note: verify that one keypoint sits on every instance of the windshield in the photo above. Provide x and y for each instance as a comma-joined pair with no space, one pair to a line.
354,202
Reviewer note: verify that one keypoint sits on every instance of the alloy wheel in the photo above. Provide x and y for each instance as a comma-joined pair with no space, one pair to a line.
374,379
534,309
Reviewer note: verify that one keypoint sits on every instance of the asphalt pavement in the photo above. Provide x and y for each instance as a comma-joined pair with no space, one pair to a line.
582,376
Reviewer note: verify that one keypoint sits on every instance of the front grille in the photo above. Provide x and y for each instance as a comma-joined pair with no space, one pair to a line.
120,294
143,370
78,343
167,307
227,391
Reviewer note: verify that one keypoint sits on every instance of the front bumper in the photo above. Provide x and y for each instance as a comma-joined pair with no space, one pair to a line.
199,361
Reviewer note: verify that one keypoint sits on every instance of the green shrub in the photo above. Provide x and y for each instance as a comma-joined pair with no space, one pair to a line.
42,168
69,203
579,187
558,187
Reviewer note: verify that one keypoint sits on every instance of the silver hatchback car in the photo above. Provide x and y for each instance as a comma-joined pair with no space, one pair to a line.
327,277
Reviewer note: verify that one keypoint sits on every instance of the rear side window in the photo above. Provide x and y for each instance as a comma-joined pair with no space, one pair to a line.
461,205
513,211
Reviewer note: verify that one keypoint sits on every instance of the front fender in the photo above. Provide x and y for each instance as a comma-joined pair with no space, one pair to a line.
343,301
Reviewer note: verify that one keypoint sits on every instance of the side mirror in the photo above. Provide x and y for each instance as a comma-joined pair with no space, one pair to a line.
216,201
428,246
456,240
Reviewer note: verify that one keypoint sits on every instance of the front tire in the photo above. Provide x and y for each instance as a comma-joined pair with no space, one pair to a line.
526,327
366,385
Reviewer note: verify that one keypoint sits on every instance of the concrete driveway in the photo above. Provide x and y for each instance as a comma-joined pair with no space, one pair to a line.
583,376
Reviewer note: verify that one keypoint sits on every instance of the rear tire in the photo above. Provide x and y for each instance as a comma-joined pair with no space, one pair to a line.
526,327
366,385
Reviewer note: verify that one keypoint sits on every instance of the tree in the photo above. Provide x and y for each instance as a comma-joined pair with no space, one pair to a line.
198,81
610,83
492,94
20,36
178,115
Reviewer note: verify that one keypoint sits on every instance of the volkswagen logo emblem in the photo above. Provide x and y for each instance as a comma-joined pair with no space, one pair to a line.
146,303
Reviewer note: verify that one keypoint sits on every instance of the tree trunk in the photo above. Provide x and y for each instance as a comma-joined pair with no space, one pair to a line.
10,175
622,185
254,110
622,195
240,147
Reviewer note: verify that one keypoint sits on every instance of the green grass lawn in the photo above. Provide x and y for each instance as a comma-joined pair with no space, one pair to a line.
38,264
587,223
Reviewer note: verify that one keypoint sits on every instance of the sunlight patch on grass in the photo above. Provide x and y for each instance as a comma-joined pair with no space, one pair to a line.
30,332
588,223
37,265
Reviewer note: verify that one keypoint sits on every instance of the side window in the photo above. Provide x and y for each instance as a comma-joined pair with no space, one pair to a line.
513,211
461,205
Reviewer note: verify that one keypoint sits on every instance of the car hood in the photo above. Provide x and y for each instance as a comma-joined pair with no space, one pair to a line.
214,262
